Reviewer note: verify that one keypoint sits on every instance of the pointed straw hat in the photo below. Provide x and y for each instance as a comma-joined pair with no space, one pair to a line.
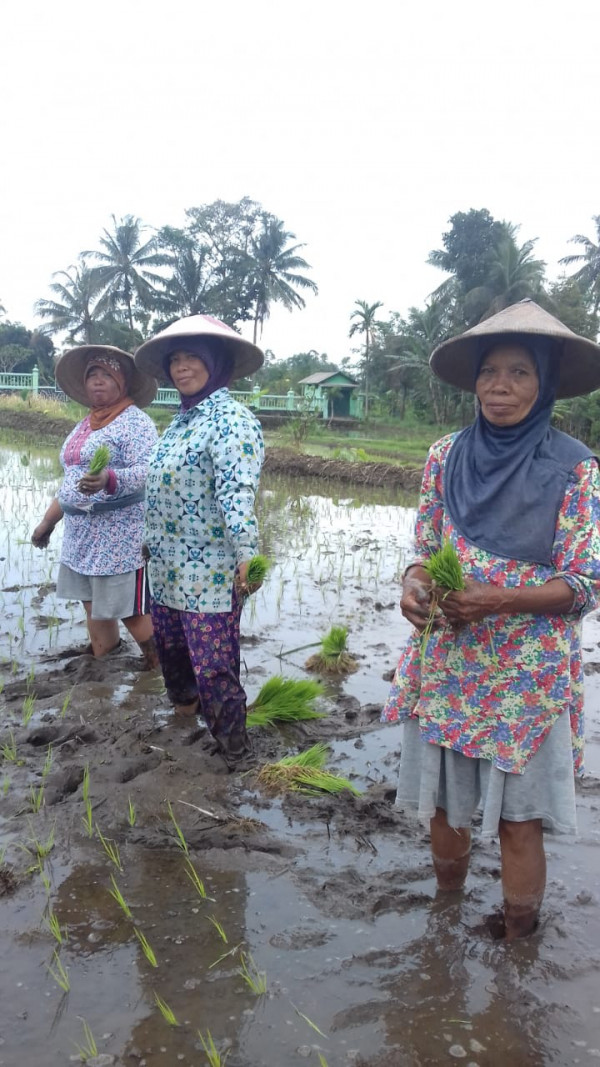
71,367
455,360
150,356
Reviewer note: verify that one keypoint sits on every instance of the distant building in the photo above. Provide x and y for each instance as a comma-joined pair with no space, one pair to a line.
337,392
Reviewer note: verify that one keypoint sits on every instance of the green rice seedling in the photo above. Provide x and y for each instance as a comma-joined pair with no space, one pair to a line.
47,763
214,1057
181,841
334,657
89,1050
445,570
99,460
42,849
196,880
117,895
45,881
30,676
111,848
65,704
304,773
255,980
28,708
88,818
220,930
258,569
58,972
166,1012
322,1060
284,700
146,947
131,815
85,784
5,786
8,750
52,924
36,798
230,952
308,1021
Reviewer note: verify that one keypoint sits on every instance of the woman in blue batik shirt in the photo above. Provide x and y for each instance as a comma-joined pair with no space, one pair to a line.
201,531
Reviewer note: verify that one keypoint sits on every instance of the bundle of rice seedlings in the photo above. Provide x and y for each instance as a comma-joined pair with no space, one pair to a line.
284,700
257,569
304,773
334,657
444,568
99,460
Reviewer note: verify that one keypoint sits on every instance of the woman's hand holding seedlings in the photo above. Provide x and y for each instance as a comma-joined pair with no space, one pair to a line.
415,603
93,483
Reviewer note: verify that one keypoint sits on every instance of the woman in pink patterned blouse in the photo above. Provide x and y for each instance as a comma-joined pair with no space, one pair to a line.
493,701
101,559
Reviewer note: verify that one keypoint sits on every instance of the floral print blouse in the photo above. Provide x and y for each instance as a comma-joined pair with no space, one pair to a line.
109,542
493,689
200,521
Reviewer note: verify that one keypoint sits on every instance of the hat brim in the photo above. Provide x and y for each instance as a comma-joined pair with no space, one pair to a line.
455,361
71,367
150,356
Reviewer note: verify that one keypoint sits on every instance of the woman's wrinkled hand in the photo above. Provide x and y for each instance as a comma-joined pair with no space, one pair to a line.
93,483
415,603
472,604
42,533
242,585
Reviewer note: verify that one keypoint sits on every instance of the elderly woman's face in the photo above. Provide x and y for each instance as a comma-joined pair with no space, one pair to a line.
188,373
507,386
101,388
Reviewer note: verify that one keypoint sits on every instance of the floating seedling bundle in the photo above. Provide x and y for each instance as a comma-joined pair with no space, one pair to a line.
333,657
284,700
304,773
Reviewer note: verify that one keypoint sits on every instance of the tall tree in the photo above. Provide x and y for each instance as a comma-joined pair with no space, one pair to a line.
468,247
366,322
123,261
588,274
413,342
512,274
274,267
223,231
77,306
187,284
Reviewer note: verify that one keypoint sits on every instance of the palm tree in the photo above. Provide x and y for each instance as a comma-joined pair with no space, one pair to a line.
186,289
77,307
365,323
425,329
123,261
588,274
512,275
273,268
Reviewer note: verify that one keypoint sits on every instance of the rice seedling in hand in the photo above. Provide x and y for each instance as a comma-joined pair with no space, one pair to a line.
214,1057
58,972
255,980
258,569
219,928
333,657
304,773
146,947
166,1012
181,841
99,460
117,895
284,700
89,1050
445,570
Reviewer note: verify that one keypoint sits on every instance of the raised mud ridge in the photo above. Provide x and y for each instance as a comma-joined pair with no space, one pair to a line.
278,460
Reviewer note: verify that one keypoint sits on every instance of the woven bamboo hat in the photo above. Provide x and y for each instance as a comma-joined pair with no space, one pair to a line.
72,365
150,356
455,360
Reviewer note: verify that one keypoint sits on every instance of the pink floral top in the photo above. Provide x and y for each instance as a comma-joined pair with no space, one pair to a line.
493,689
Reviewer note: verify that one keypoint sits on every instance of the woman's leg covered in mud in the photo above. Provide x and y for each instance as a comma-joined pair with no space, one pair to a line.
104,633
523,875
172,649
140,628
450,852
214,650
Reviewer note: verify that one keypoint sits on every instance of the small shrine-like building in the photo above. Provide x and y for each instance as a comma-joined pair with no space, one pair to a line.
337,392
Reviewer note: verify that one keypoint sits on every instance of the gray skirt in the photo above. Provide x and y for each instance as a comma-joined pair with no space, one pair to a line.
112,596
434,777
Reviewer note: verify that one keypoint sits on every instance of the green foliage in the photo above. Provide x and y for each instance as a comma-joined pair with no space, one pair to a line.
258,568
99,460
304,773
444,568
284,700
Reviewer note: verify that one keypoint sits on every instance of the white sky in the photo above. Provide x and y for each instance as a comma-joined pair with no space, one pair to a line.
364,126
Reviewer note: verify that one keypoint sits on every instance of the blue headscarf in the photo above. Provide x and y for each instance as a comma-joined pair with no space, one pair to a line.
504,485
218,362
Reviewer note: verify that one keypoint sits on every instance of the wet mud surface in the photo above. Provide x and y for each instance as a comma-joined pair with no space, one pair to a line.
331,898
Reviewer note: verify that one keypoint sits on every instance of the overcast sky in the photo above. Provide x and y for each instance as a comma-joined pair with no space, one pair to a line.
364,126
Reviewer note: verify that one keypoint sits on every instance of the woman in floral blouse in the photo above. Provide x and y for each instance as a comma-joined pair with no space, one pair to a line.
101,559
492,701
201,531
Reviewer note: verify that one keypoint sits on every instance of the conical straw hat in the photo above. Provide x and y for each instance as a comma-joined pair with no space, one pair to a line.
247,357
71,367
455,360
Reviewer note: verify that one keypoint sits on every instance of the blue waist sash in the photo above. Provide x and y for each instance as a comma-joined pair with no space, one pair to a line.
99,506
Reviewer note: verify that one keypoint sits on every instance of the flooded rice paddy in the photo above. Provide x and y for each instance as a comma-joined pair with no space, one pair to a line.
148,898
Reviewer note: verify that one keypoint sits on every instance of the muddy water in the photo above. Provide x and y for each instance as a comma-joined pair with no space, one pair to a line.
333,900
